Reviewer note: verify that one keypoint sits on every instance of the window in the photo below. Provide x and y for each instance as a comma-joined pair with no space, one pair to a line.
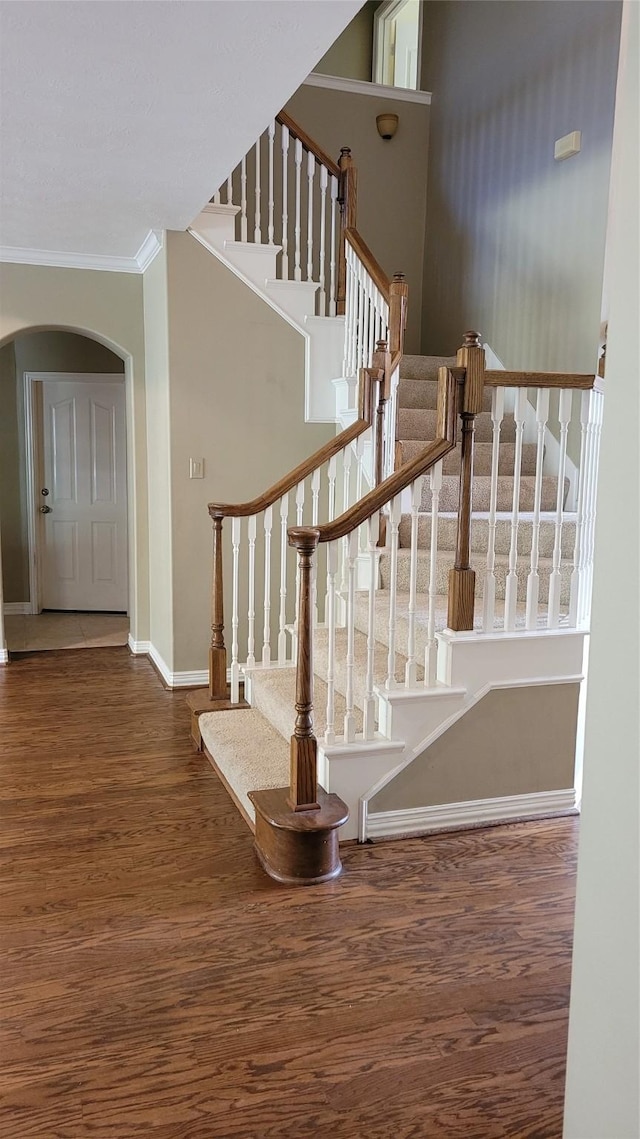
397,29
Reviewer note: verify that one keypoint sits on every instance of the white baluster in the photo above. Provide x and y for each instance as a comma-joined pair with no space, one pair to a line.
352,554
394,523
511,593
285,207
243,200
366,313
332,568
311,170
331,492
431,649
489,595
297,272
597,403
324,175
235,667
578,553
411,667
257,233
315,505
229,191
251,612
533,580
282,620
266,631
332,251
373,529
270,229
555,580
347,455
216,198
300,503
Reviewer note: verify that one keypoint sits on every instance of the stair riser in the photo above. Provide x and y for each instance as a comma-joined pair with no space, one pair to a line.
424,368
482,457
414,424
445,563
359,679
447,534
481,493
424,393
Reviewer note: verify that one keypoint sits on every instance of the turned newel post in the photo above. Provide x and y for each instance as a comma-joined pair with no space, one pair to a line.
348,199
462,578
398,300
217,652
303,787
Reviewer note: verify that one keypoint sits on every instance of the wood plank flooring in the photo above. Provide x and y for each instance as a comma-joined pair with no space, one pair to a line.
156,984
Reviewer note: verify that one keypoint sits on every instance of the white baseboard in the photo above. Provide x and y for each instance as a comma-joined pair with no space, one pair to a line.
4,656
191,679
476,812
14,608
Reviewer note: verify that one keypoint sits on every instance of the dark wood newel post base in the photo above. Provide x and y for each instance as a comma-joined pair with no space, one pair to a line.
298,848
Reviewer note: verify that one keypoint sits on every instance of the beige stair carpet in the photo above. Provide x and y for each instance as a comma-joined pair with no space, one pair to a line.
249,752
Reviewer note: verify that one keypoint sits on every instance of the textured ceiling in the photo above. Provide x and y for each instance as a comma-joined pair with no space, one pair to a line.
121,117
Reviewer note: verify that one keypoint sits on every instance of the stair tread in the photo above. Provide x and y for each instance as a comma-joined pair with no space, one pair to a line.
231,738
274,694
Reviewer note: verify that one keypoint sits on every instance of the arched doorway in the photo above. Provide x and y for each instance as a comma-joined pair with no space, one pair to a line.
63,498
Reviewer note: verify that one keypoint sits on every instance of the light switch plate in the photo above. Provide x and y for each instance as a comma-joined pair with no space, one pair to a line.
196,468
568,145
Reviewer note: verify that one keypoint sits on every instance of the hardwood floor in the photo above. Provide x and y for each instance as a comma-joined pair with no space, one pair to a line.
155,983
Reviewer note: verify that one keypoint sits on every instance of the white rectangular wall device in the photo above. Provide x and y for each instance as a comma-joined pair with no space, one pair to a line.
567,146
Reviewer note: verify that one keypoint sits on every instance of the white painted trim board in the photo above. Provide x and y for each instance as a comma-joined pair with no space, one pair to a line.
476,812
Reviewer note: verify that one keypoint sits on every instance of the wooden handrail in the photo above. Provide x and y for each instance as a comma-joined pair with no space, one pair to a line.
308,143
366,413
377,274
540,380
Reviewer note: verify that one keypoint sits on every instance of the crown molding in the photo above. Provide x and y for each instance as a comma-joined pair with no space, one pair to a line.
150,247
360,87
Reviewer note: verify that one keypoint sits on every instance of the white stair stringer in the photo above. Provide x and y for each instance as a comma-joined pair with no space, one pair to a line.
294,301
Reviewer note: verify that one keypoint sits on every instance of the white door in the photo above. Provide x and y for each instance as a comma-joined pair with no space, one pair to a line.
84,509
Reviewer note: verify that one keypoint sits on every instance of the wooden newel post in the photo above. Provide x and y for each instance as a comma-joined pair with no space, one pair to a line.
303,785
398,301
348,199
462,578
217,652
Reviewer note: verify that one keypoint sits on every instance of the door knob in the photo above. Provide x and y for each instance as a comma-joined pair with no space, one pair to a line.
45,510
45,490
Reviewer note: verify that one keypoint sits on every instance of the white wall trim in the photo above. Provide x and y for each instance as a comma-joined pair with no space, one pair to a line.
476,812
4,656
16,608
191,679
361,87
151,245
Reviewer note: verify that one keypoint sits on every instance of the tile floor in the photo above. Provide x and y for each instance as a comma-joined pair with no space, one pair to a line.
65,631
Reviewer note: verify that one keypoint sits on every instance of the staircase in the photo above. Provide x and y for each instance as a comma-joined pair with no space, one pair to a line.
444,545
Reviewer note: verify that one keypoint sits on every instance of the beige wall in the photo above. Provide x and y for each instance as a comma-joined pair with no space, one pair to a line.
107,306
515,741
351,54
515,240
156,332
237,400
392,177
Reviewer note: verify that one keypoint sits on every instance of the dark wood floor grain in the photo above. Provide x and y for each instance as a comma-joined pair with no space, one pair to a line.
156,984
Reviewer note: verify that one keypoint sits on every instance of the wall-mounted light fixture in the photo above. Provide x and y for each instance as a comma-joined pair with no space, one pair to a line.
387,124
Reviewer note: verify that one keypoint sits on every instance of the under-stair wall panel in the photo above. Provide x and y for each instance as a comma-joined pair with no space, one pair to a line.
514,741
